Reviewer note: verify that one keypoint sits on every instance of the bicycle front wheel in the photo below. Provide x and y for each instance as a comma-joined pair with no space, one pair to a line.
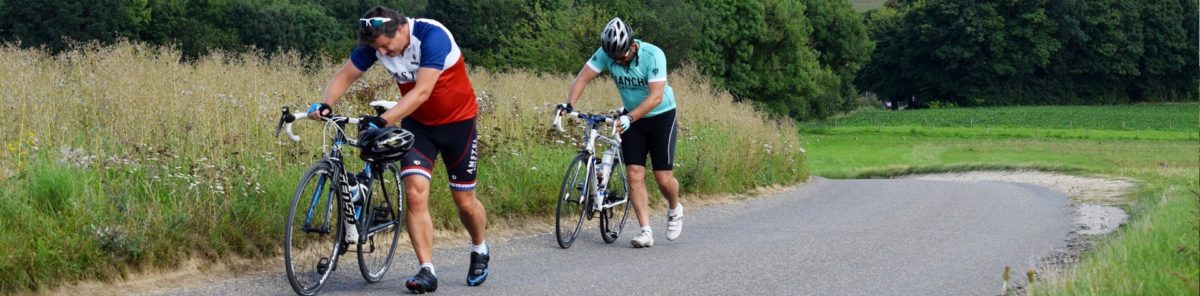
572,201
311,243
383,221
616,204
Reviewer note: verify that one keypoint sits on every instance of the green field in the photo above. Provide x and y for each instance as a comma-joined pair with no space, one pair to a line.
1157,253
1148,117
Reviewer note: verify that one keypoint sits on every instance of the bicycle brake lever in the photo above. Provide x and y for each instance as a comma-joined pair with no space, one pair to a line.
282,119
558,121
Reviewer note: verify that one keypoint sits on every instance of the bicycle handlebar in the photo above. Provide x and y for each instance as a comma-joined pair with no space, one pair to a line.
285,121
558,113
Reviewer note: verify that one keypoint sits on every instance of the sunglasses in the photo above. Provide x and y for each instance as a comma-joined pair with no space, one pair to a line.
625,58
372,23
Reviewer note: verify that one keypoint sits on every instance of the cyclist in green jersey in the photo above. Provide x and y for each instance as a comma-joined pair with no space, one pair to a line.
640,72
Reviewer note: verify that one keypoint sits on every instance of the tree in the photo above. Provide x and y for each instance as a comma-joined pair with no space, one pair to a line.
1169,63
55,23
1034,52
842,44
281,26
480,26
883,73
196,27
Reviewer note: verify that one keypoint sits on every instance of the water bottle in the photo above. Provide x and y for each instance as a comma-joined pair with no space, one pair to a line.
606,163
357,189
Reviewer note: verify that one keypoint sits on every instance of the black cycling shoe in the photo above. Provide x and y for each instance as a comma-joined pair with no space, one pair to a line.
479,268
423,282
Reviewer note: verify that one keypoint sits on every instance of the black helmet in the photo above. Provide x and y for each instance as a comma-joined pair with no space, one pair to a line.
387,144
616,38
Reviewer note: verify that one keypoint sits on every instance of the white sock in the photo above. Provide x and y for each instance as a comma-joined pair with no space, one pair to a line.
482,249
676,211
430,266
647,229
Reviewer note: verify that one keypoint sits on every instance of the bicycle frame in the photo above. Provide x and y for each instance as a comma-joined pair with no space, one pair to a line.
373,217
337,123
592,123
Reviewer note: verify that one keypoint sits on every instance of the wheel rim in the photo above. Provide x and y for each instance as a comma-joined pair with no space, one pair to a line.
310,231
571,202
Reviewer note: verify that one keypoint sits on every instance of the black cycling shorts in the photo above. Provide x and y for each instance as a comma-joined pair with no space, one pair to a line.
655,134
457,143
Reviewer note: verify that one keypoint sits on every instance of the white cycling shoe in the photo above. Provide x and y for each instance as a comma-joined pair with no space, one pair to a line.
644,239
675,223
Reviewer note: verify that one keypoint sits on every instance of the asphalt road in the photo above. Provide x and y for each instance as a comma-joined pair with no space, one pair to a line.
828,237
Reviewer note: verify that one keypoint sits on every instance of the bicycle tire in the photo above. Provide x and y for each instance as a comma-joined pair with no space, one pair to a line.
320,218
572,201
612,219
384,222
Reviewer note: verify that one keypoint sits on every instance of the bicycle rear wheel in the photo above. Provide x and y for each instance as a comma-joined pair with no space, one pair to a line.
311,238
572,201
612,218
383,221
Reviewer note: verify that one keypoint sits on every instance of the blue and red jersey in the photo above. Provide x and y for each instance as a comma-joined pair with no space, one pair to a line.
430,46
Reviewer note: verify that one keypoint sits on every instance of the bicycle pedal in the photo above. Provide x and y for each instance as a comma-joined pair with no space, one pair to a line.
322,265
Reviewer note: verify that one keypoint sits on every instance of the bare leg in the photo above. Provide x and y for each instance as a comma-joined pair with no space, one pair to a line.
472,214
638,193
669,186
417,218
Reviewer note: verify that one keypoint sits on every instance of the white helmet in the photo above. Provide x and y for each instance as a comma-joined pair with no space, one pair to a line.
616,38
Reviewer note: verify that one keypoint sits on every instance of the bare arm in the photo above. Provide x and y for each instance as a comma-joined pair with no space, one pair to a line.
581,81
426,78
338,85
651,100
341,82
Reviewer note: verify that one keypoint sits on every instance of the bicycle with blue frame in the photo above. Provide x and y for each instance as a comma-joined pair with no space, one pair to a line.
594,184
314,236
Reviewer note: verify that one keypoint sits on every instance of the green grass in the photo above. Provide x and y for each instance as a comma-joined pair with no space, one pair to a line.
865,155
1147,117
1008,132
120,158
1157,253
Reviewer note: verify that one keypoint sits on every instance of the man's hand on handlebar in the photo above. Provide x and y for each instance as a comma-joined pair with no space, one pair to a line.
565,108
316,111
622,123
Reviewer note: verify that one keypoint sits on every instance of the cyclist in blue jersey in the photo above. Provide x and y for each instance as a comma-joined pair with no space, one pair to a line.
640,72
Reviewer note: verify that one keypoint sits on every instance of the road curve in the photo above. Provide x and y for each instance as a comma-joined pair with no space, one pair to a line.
827,237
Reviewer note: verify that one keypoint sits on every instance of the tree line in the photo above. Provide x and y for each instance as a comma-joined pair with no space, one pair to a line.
1034,52
195,27
804,59
793,57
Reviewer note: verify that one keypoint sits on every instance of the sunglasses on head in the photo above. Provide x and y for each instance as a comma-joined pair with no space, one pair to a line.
373,23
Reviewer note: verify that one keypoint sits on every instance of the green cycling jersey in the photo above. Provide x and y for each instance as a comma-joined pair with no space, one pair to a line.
633,82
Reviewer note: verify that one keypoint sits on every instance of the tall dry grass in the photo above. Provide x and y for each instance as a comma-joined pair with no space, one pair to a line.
121,157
